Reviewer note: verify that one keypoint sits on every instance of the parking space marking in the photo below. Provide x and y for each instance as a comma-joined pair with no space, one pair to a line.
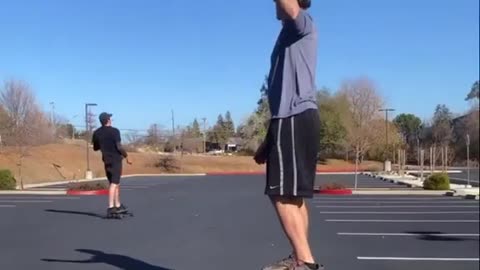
397,206
25,201
354,199
419,259
405,220
411,234
403,202
40,198
397,213
7,206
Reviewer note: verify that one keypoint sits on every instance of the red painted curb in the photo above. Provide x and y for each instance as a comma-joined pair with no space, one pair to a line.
334,191
88,192
339,170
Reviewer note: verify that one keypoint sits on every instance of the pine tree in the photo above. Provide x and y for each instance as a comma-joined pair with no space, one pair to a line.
229,126
195,129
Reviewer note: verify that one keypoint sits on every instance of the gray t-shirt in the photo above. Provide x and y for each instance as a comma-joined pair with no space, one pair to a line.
291,81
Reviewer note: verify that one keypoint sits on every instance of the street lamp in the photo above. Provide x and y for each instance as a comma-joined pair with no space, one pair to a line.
386,110
88,172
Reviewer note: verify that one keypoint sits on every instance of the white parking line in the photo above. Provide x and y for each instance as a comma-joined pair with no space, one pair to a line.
397,206
405,220
25,201
398,213
395,202
377,198
7,206
411,234
419,259
41,198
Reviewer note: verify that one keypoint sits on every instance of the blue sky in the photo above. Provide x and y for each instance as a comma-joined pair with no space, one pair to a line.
141,59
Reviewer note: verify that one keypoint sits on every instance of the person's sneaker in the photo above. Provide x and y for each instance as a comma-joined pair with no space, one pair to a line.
308,266
112,210
284,264
122,209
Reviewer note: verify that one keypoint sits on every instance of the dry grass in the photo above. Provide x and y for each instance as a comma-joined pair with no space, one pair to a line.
68,161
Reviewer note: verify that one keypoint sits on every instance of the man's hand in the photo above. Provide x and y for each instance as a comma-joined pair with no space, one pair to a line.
261,154
129,162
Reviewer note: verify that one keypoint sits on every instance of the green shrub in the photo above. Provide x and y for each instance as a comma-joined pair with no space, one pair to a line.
437,181
7,181
167,163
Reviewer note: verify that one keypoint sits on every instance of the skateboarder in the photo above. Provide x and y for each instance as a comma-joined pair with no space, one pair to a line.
292,143
107,140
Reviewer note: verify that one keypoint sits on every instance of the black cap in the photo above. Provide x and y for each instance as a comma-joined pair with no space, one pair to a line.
104,117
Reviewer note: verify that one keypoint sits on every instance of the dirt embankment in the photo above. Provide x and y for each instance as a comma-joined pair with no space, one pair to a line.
56,162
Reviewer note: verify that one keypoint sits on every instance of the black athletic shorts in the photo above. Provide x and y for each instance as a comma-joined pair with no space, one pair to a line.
293,145
113,170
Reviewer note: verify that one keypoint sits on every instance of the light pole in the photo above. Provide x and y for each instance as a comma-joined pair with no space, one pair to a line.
386,110
468,159
87,133
52,119
204,135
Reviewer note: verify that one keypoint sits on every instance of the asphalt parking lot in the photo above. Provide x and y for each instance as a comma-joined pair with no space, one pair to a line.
462,178
220,222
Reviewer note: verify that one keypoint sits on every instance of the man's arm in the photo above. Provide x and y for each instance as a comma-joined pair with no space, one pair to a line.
96,145
118,143
291,8
296,20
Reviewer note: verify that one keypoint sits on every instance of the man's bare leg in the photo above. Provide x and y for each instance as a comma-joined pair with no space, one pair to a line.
304,212
111,195
117,196
292,219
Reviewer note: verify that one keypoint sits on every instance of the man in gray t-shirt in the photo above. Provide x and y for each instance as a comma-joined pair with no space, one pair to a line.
292,143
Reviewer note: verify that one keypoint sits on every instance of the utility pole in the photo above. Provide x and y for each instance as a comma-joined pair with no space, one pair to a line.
173,132
87,139
386,110
468,159
204,135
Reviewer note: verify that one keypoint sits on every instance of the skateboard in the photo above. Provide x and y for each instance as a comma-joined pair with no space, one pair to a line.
119,215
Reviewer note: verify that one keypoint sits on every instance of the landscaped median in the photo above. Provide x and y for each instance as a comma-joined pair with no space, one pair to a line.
438,182
333,189
88,189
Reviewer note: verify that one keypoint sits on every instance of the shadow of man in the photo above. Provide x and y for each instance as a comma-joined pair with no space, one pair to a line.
119,261
74,213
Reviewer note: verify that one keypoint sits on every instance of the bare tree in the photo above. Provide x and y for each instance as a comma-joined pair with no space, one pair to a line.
133,138
26,124
155,136
364,102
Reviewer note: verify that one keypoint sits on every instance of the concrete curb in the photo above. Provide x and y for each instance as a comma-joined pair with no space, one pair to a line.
399,192
28,186
472,197
464,192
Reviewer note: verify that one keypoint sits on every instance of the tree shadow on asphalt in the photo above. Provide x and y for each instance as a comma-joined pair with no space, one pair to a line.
437,236
119,261
75,213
